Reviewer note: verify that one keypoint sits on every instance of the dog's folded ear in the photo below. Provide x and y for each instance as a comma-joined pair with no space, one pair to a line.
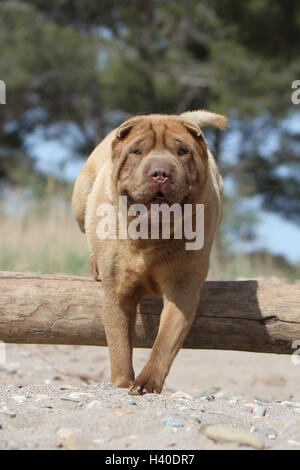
126,127
204,118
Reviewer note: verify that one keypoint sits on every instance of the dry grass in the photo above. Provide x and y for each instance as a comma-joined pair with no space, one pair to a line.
42,236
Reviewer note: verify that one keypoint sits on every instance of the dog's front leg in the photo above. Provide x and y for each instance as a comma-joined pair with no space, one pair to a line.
180,305
119,322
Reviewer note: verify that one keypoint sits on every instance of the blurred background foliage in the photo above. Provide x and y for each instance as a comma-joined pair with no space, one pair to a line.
75,69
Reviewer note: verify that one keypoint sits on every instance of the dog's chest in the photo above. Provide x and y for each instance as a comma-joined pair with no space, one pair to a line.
138,274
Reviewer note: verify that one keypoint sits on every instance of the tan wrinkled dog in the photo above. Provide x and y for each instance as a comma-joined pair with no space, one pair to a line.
152,159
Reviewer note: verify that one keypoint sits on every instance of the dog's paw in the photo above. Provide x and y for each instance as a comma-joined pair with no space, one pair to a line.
143,385
122,383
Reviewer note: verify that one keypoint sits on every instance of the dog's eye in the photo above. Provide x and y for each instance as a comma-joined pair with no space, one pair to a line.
137,152
182,151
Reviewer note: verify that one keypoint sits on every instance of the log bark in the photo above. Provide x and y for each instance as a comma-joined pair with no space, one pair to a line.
258,316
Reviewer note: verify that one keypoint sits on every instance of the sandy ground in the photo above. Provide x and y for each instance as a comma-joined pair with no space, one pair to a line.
42,408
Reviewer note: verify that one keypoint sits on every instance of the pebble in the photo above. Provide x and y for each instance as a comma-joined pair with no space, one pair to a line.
250,405
25,354
77,395
12,367
94,404
70,399
198,418
41,397
263,400
101,440
19,399
227,433
64,433
67,434
7,412
132,402
122,413
172,422
211,391
260,411
294,443
181,394
290,404
268,432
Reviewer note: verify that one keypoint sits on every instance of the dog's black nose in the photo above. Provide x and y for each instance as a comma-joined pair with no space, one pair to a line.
160,174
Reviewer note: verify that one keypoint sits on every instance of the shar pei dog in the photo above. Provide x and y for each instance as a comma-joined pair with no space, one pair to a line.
148,166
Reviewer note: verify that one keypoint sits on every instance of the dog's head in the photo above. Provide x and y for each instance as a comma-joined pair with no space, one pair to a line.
163,159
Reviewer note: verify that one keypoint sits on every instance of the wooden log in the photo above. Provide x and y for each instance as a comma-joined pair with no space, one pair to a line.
258,316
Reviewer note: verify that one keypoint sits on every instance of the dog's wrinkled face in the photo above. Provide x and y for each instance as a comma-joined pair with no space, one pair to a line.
159,160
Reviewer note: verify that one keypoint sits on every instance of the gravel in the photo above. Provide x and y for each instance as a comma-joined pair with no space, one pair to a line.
210,401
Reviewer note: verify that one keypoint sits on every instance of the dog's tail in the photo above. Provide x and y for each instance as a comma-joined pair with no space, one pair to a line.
204,118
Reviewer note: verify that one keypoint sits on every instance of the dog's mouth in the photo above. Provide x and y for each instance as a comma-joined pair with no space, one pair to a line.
158,199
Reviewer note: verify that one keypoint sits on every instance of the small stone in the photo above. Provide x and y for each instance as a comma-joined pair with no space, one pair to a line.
198,418
41,397
227,433
294,443
181,394
19,399
208,398
172,422
220,394
64,433
12,367
94,404
268,432
5,411
271,433
132,402
70,399
122,413
67,387
25,354
260,411
101,440
67,434
263,400
211,391
78,395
